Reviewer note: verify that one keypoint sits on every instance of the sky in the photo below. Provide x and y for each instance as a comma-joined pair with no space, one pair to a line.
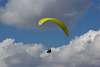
21,36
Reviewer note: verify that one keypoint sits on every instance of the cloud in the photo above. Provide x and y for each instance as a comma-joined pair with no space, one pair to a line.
27,13
19,55
82,51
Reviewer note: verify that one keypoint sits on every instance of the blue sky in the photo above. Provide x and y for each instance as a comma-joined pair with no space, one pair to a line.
24,44
88,20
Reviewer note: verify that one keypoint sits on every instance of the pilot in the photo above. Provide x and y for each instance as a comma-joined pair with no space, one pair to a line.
49,51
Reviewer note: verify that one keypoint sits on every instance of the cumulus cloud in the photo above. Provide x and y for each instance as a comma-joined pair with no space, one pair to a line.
27,13
83,51
19,55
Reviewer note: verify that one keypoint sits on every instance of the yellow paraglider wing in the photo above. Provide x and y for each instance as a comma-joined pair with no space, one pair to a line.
58,22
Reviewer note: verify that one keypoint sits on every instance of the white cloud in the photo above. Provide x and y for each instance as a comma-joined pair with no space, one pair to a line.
27,13
18,54
83,51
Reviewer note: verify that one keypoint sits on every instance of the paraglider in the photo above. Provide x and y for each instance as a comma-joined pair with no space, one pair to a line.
58,22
